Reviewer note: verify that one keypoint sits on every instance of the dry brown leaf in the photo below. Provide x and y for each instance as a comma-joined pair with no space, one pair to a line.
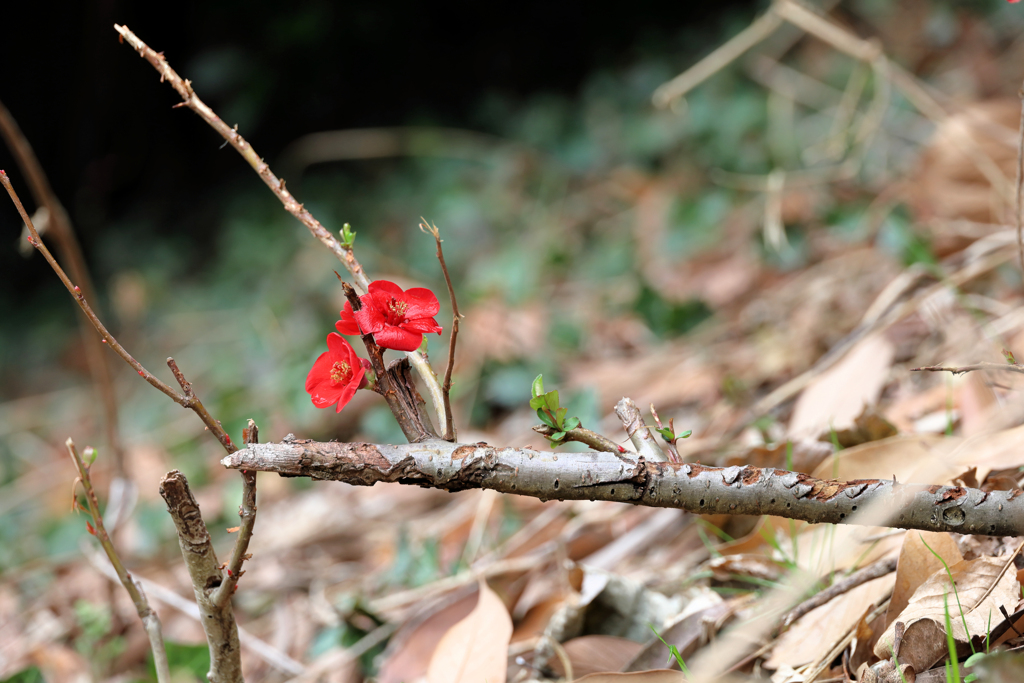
475,650
654,676
594,654
982,586
905,457
819,630
917,563
838,395
993,451
412,646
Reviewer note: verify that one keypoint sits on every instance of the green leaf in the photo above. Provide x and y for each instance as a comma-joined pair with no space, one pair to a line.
348,237
571,423
29,675
666,434
546,419
685,435
538,387
90,456
557,436
552,398
538,402
560,416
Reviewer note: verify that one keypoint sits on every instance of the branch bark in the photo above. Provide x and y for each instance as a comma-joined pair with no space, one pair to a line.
205,571
611,476
639,434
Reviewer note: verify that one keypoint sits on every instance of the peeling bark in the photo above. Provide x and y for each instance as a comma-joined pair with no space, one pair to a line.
633,479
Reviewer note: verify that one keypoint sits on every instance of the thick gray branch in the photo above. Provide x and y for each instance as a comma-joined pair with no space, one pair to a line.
218,620
611,476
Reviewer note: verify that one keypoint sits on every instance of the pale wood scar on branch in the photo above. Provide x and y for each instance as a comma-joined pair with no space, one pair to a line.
611,476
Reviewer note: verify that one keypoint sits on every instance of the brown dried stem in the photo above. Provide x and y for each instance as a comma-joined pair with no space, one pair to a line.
150,620
634,479
247,513
584,436
63,234
870,573
186,400
985,365
446,388
277,186
217,620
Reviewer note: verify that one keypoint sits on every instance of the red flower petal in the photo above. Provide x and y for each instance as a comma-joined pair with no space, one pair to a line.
398,339
422,303
422,325
347,324
336,375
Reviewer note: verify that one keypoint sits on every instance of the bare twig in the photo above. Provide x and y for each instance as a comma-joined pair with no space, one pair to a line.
258,648
584,436
186,400
622,478
71,253
446,388
1020,184
876,570
218,621
761,28
247,513
150,620
986,366
639,434
277,186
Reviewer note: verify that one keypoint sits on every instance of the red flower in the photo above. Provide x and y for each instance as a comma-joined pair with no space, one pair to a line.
397,319
347,325
336,374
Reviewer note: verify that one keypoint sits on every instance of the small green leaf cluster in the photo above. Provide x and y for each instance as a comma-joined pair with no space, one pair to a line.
550,412
348,237
670,436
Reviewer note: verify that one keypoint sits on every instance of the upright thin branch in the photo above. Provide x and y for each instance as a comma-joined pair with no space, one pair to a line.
217,620
247,513
644,442
635,479
59,227
446,388
150,620
1020,183
186,400
277,186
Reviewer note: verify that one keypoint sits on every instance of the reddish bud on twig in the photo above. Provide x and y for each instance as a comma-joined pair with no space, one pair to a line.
89,527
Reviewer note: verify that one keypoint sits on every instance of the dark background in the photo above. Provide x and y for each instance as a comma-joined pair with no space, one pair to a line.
104,130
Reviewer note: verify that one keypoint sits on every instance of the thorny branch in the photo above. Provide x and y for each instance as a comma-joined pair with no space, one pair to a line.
277,186
635,479
446,388
218,620
59,227
150,620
